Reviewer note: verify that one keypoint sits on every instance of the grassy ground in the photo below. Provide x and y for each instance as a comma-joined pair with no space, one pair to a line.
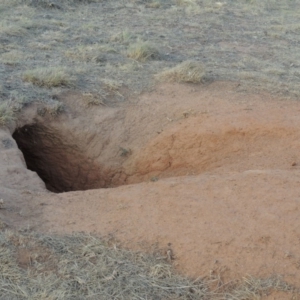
50,45
98,48
36,266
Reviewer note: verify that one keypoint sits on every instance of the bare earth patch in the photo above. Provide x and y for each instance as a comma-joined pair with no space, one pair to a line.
219,173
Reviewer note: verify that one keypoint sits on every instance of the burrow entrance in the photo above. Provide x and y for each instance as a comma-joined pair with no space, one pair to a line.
71,161
59,162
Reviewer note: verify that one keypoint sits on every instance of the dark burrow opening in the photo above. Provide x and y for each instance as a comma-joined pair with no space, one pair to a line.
59,161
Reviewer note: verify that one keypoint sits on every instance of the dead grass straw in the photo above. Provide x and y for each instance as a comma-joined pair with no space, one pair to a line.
6,114
48,77
188,71
142,51
81,266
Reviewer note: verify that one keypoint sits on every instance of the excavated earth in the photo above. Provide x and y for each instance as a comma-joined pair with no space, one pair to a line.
209,171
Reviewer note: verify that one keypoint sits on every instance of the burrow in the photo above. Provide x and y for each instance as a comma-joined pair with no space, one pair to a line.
65,163
60,162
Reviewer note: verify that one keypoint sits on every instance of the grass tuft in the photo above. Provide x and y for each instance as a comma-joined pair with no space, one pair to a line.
188,71
54,109
142,51
11,29
111,85
154,4
92,99
6,114
18,101
122,37
12,57
48,77
91,53
185,2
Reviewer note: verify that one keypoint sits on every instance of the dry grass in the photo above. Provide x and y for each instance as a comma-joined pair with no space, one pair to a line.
94,53
92,99
48,77
191,6
254,288
111,85
254,42
188,71
55,108
186,2
10,29
154,4
83,35
83,267
12,57
6,114
142,51
123,37
49,4
18,101
38,266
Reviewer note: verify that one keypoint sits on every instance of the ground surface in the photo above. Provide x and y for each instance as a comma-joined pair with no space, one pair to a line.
208,173
86,45
229,205
235,206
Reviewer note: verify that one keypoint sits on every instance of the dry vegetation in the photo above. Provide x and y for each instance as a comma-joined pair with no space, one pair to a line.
46,46
188,71
92,100
142,51
37,266
48,77
96,47
6,114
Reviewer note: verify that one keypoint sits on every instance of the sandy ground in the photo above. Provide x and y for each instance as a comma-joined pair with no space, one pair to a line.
212,174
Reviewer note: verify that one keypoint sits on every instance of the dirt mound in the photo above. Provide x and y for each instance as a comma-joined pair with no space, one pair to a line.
220,173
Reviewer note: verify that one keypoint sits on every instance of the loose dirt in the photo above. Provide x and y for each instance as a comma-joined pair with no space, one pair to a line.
207,172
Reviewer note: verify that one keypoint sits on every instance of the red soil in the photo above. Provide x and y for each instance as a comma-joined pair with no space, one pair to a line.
214,175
